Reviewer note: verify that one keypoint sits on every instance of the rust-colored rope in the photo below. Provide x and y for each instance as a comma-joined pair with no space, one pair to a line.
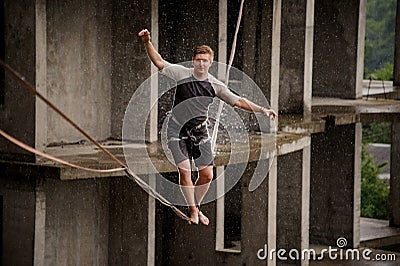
55,159
123,167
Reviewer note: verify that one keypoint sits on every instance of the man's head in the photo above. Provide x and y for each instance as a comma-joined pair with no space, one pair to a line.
203,49
202,59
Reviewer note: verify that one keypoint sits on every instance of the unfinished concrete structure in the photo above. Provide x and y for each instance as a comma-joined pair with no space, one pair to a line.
307,58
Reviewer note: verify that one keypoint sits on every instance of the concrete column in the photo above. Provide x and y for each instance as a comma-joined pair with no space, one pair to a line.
362,24
308,59
338,48
222,37
152,132
41,75
272,209
40,228
151,225
275,54
395,176
305,199
334,190
396,74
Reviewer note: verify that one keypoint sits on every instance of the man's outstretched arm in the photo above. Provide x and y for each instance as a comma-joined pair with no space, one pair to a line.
248,105
154,56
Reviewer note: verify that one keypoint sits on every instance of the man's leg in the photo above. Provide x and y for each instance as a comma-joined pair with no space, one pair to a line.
185,181
201,187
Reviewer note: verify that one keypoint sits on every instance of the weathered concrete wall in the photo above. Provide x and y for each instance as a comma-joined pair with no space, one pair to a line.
17,115
18,220
292,56
332,191
335,48
130,64
290,200
79,68
128,222
77,222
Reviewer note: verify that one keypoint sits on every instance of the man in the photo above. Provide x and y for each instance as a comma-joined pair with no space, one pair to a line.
187,132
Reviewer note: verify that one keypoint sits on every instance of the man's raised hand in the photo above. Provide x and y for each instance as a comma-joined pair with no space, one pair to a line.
144,35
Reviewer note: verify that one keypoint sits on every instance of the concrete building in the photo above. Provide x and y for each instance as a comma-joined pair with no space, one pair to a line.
85,57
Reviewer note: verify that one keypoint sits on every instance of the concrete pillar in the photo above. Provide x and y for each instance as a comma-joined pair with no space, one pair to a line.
222,37
308,59
41,75
335,182
40,227
338,48
152,131
396,74
272,209
151,225
305,198
395,176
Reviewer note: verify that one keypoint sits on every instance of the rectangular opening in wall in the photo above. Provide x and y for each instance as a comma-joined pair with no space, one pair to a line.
2,52
228,233
233,214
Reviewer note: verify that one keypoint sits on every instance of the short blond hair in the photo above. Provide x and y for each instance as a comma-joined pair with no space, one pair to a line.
203,49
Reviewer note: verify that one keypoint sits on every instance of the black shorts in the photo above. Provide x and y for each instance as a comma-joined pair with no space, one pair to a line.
189,144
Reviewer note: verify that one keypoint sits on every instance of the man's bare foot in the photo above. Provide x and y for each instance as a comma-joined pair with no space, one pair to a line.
194,216
203,219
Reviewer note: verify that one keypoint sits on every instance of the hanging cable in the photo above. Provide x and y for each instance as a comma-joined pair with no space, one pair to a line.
231,57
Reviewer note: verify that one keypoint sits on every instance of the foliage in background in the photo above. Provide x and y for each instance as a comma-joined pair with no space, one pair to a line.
376,133
374,192
384,73
379,36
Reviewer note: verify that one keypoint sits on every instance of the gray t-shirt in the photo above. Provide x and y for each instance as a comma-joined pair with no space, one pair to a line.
193,97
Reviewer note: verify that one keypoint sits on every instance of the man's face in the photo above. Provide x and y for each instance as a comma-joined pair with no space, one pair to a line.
201,63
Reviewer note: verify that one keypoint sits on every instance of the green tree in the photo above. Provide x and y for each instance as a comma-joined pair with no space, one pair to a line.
374,192
380,30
